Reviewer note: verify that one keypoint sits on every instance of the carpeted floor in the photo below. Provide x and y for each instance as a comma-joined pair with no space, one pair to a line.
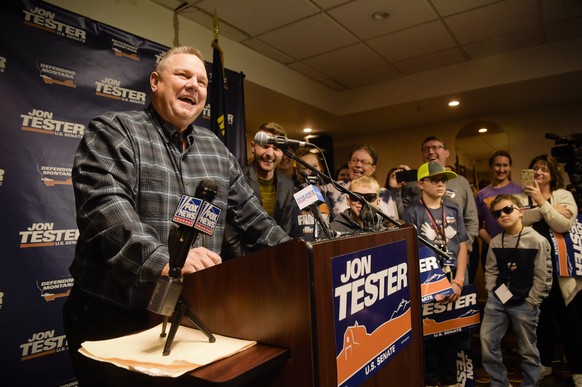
560,378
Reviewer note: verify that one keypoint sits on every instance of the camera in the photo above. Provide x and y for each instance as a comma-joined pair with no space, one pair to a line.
568,150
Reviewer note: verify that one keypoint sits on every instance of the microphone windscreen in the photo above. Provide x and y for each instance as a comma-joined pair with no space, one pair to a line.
262,138
206,190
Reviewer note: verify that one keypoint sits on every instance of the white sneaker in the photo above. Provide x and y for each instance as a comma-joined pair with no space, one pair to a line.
577,379
546,371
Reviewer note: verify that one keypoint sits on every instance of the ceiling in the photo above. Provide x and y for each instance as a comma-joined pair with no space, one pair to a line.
317,38
338,44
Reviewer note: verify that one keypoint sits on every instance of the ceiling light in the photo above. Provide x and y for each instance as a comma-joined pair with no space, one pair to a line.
307,130
482,130
380,15
454,103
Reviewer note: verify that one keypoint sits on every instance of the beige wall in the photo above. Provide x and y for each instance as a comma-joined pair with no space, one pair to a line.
525,130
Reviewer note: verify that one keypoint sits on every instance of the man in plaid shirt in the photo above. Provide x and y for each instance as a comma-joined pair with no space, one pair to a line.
130,171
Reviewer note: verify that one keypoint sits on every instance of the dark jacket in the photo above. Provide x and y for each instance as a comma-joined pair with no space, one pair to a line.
234,245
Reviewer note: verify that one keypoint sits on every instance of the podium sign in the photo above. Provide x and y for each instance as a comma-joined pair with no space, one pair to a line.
315,300
371,310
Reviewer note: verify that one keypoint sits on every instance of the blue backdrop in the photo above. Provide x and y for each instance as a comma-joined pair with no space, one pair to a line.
57,71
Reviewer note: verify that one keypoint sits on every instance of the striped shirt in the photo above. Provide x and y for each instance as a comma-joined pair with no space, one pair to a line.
129,174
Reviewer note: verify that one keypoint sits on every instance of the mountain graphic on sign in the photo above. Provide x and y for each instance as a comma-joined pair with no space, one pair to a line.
431,326
359,346
434,287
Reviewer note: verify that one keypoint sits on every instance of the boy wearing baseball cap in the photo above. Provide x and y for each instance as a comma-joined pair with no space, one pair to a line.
440,221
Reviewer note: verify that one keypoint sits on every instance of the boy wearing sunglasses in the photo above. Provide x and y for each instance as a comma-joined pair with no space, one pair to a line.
439,220
518,276
357,218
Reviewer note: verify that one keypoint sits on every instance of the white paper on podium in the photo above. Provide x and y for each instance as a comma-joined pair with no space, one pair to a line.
142,352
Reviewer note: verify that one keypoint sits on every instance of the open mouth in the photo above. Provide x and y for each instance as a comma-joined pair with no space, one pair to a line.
188,100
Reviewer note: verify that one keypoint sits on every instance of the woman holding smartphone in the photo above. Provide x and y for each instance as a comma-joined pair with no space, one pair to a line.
554,210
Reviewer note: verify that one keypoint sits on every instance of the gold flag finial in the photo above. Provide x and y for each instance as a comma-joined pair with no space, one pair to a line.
215,25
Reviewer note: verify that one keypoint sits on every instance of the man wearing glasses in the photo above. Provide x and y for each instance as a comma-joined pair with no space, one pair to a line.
362,162
458,190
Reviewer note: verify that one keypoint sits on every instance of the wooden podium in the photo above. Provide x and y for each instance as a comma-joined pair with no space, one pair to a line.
282,298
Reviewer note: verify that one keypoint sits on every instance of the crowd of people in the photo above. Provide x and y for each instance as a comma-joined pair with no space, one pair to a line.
131,169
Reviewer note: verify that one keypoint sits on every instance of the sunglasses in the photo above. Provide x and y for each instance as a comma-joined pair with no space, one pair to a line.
369,197
506,210
437,179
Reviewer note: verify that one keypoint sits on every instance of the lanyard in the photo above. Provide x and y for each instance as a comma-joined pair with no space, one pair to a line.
516,243
439,230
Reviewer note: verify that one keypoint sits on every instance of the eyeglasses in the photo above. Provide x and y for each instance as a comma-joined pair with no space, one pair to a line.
506,210
540,168
437,179
363,162
369,197
434,148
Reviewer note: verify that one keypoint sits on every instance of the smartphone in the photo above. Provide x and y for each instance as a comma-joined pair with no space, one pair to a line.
406,176
527,177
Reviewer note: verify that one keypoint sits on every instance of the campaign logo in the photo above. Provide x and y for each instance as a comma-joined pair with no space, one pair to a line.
40,121
441,319
58,75
568,250
50,290
159,56
123,49
111,88
187,210
371,310
45,235
52,176
465,369
45,20
43,344
1,177
207,111
2,64
433,281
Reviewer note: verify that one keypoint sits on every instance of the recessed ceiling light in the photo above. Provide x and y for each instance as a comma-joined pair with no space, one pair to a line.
307,130
380,15
482,130
454,103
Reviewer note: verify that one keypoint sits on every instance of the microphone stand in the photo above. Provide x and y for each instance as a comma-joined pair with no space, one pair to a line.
176,242
327,179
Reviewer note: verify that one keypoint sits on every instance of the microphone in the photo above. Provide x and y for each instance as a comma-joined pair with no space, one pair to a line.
368,215
262,138
308,195
193,215
311,196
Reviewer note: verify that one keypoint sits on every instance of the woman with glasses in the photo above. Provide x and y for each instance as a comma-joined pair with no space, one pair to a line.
554,210
357,217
